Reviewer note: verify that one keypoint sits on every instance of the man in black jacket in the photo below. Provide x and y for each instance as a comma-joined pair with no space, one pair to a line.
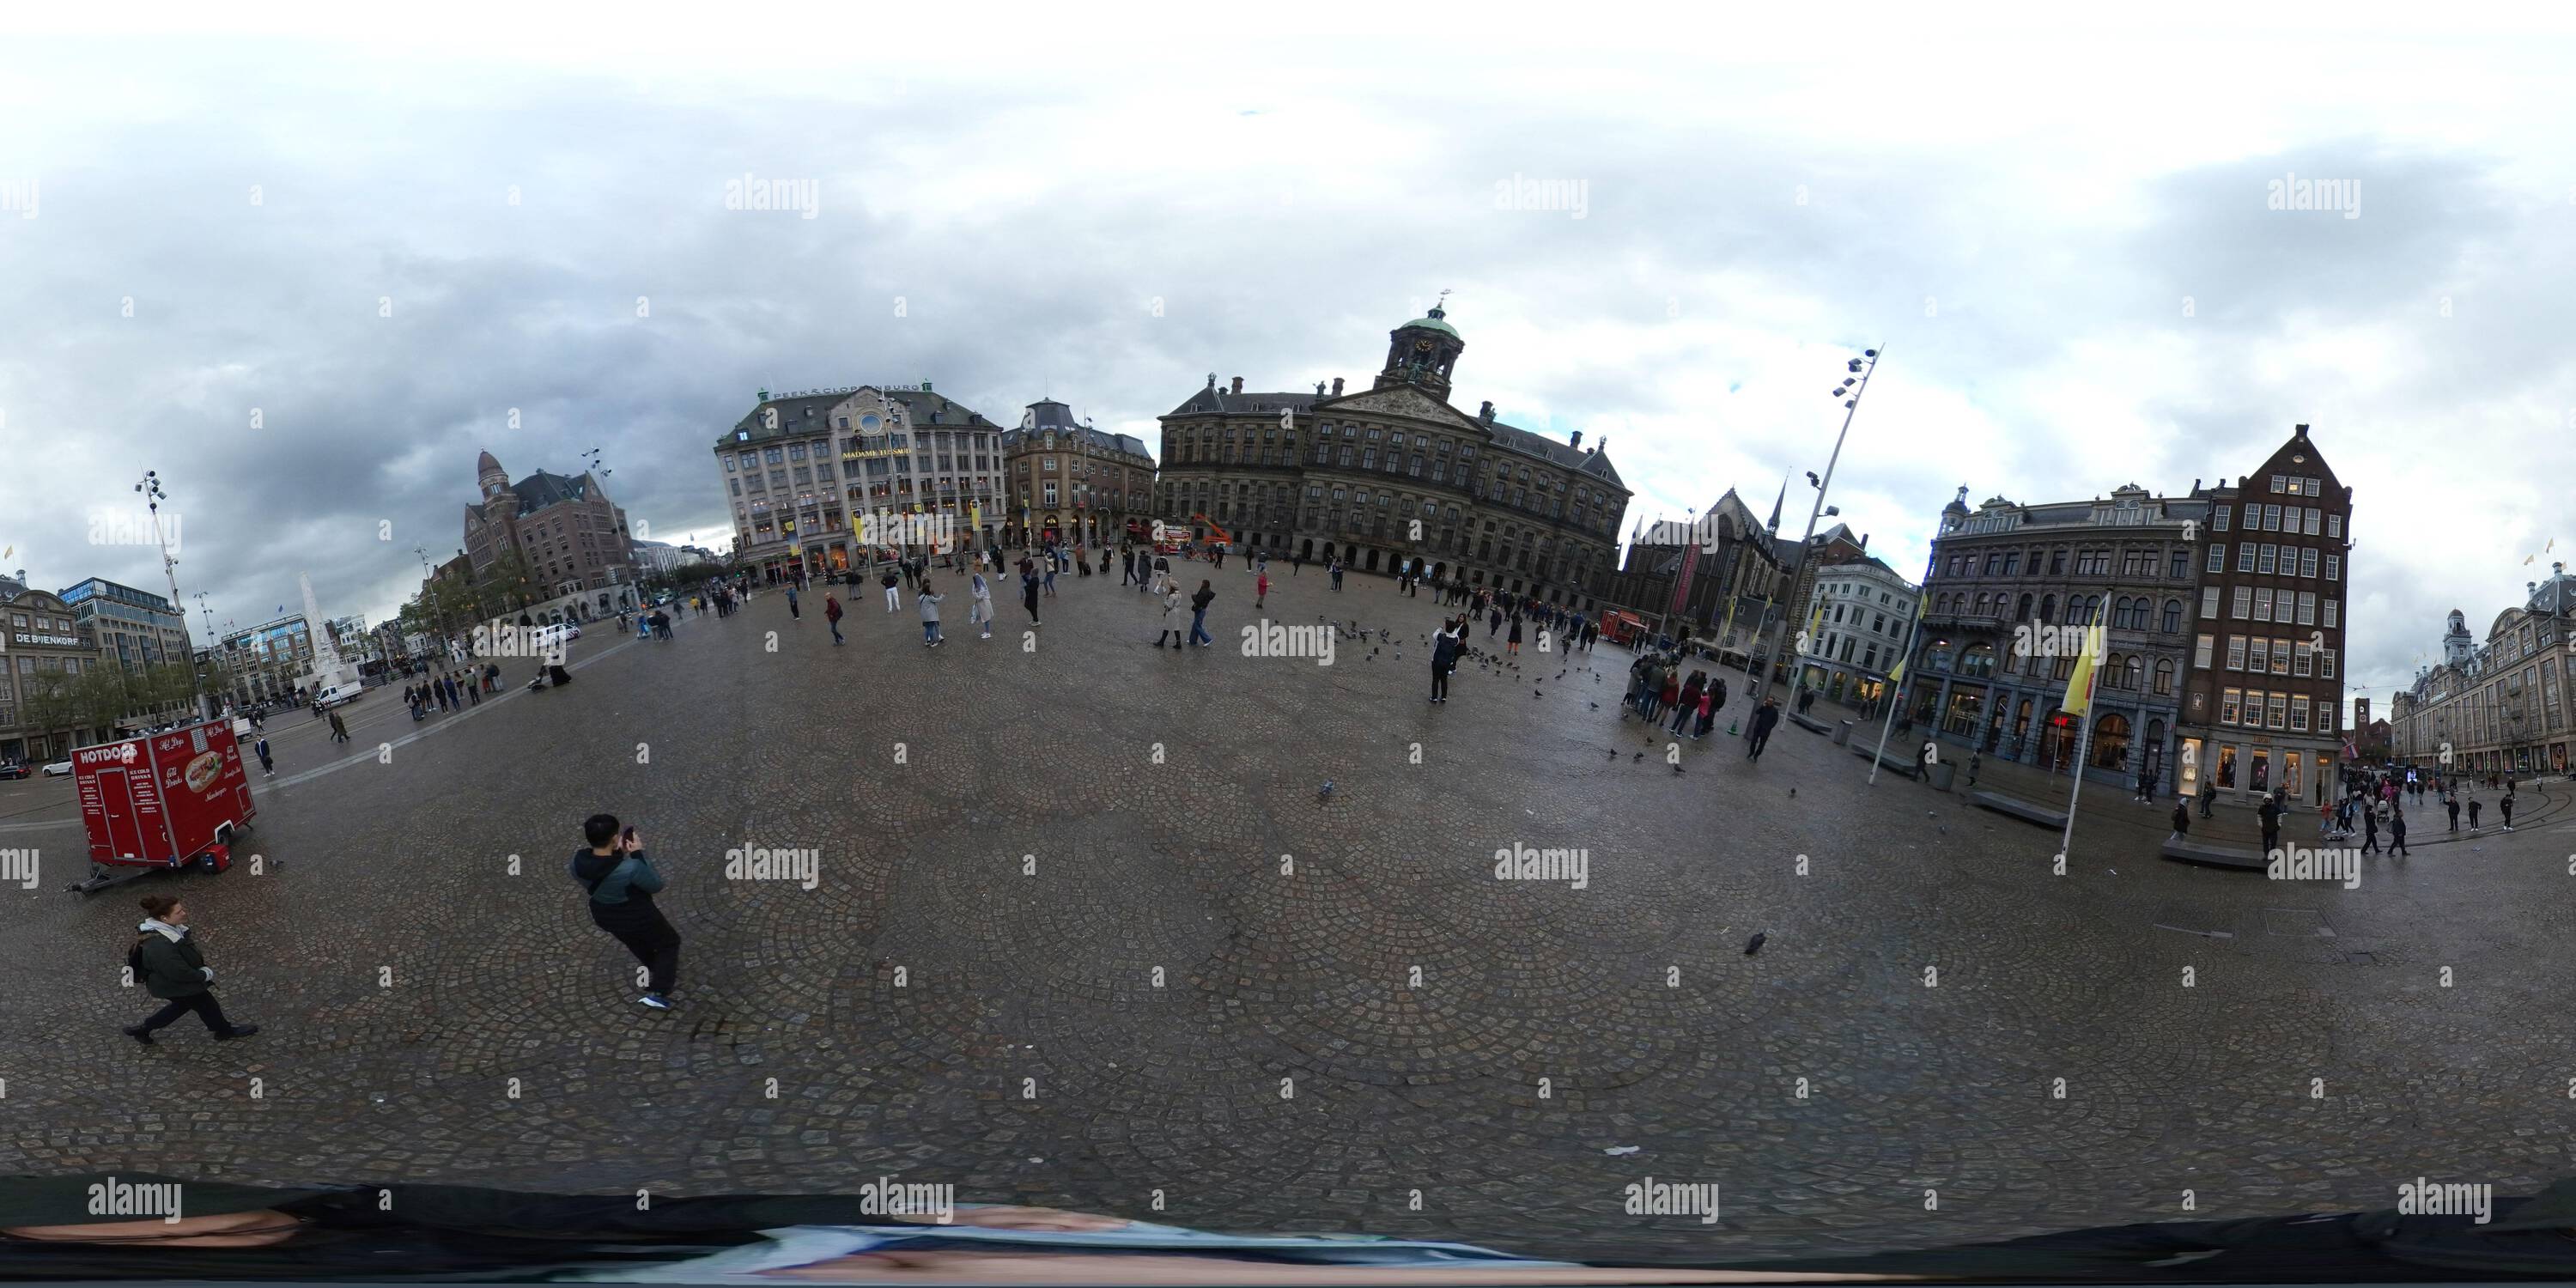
1444,659
1764,720
168,965
622,883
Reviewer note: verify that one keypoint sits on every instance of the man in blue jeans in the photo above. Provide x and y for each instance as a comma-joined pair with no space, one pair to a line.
1198,615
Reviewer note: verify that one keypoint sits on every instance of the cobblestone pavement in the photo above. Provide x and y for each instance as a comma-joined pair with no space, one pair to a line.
1055,955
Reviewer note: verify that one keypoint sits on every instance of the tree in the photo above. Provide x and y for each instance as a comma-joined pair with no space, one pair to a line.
45,704
100,697
503,585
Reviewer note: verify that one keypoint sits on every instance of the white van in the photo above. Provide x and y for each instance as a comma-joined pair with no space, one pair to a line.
548,641
339,693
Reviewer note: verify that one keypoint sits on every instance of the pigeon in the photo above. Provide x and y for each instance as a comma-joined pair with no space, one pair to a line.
1614,753
1793,791
1754,945
1327,793
1596,706
1640,756
1677,769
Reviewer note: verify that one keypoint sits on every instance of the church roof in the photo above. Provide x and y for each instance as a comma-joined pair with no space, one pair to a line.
542,489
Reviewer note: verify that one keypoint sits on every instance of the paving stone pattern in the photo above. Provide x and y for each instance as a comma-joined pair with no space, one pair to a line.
1157,1006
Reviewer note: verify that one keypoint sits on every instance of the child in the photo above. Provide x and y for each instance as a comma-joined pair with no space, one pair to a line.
1260,591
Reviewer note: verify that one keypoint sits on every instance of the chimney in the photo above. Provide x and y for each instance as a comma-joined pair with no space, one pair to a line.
1578,438
1864,541
1238,384
1486,412
2303,431
1337,386
764,393
925,386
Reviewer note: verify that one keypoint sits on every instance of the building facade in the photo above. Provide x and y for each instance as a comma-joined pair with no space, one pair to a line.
1730,590
42,657
2012,588
2505,706
133,628
559,534
1856,621
803,472
2264,705
268,662
1071,482
1394,476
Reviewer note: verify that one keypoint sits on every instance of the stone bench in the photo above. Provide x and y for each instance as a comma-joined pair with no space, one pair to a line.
1895,757
2015,807
1811,726
2214,856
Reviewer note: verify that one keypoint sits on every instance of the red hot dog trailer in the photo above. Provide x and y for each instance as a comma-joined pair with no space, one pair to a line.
161,801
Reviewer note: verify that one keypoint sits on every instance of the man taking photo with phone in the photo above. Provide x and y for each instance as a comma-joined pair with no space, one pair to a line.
621,883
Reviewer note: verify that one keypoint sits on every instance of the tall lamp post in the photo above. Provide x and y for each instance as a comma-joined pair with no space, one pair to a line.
209,611
1850,391
150,488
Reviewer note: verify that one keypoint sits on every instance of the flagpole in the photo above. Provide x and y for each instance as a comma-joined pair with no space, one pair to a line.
2084,743
1896,695
1905,653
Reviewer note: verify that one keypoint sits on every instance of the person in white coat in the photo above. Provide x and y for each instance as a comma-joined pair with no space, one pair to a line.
1173,622
980,613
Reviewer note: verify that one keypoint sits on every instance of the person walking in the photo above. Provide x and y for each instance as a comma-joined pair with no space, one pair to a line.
1050,578
267,767
1335,567
894,596
2451,802
1444,658
1198,614
2473,814
1974,761
1764,720
1512,646
1296,564
1687,706
2504,807
929,605
2181,819
793,612
339,731
979,613
1709,697
2397,831
1171,619
2269,815
166,961
1261,592
1029,591
2369,830
832,617
1130,568
2208,796
622,882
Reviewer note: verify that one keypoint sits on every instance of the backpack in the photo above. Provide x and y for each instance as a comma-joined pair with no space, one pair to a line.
134,954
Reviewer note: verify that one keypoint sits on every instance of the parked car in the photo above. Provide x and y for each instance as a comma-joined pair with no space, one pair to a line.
10,769
59,769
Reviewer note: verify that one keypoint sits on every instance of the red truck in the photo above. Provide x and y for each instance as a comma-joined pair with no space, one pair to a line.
161,801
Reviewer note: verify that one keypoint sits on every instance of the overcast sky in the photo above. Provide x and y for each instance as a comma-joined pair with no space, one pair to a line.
383,242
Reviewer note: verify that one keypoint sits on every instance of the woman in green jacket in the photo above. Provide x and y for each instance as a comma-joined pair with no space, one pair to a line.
169,967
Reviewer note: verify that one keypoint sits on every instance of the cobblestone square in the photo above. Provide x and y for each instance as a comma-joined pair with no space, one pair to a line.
1086,931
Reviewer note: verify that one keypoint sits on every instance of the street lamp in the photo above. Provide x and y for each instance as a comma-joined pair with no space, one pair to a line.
1849,391
150,488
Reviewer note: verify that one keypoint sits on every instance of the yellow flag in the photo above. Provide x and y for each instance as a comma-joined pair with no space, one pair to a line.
2079,686
1897,674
